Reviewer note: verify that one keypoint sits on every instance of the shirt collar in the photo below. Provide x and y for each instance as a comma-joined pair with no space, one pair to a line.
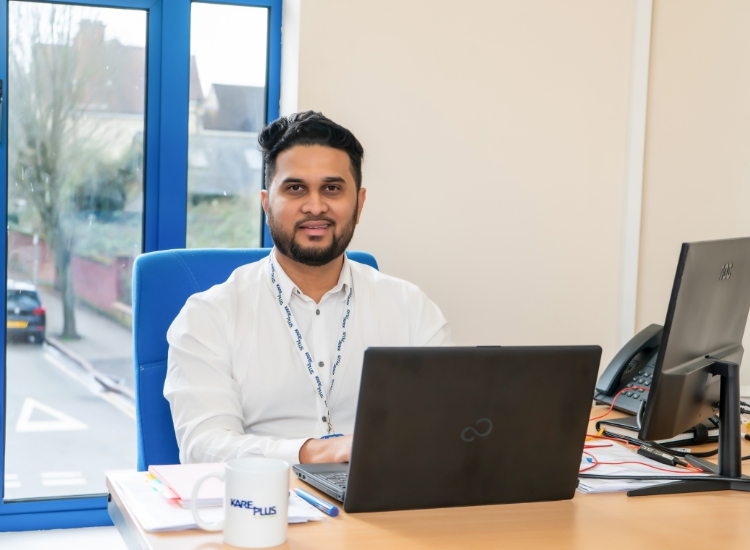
288,288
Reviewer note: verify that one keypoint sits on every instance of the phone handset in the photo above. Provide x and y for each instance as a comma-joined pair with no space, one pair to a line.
632,357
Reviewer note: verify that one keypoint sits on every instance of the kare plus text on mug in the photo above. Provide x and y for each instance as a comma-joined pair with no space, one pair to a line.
256,499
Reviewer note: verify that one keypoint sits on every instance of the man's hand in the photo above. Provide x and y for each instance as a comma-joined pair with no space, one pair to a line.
335,449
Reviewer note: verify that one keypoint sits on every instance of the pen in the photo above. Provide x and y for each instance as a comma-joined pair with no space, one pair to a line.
319,503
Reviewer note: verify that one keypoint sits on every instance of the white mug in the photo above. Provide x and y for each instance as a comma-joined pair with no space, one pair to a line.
256,498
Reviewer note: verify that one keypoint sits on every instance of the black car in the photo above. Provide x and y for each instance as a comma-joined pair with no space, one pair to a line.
26,318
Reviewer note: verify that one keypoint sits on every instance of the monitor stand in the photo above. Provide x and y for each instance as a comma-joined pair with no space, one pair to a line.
730,456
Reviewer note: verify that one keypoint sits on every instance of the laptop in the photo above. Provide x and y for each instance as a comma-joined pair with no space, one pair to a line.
464,426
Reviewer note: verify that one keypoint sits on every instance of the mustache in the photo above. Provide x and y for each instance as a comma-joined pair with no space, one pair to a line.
314,219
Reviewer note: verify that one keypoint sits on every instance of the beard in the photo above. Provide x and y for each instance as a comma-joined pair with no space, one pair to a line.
314,256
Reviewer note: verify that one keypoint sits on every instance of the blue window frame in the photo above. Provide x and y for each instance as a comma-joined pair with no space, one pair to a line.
165,196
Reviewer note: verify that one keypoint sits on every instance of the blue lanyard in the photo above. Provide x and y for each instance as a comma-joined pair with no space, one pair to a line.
313,374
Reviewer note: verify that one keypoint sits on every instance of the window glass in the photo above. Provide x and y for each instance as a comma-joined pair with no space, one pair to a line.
76,83
227,110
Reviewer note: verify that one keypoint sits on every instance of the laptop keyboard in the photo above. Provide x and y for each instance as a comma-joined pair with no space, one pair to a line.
339,480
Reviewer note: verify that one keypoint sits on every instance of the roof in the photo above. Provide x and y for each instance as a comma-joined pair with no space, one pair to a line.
113,74
235,108
19,285
196,91
224,163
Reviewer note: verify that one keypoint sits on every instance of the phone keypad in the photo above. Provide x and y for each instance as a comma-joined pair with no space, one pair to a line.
636,388
640,385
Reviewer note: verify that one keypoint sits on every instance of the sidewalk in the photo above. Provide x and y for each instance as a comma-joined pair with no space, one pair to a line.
107,345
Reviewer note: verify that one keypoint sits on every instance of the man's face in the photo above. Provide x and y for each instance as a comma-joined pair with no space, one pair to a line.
312,204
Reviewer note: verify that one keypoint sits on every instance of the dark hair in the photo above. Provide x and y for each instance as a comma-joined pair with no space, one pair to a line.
308,128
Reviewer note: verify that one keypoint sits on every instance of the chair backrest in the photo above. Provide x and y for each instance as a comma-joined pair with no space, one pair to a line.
162,283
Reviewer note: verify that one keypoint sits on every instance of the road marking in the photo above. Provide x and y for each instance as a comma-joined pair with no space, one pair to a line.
62,423
58,475
60,482
86,380
58,479
122,404
11,481
125,405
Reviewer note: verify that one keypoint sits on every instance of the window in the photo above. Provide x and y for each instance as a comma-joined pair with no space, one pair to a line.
127,129
76,105
227,110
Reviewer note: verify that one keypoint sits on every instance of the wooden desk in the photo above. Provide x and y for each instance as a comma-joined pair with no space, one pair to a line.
714,520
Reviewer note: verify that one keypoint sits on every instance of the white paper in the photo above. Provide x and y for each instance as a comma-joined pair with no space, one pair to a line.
620,453
301,509
155,513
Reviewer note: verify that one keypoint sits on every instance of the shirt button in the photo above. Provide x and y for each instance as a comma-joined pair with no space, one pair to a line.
298,292
324,419
317,312
321,364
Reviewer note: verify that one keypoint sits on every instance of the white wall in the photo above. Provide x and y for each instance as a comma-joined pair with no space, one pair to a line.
495,136
697,170
290,28
497,150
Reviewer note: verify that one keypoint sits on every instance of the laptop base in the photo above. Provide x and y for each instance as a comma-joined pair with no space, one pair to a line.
325,477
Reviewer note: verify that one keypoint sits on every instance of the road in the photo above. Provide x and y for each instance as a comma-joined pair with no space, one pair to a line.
104,343
63,431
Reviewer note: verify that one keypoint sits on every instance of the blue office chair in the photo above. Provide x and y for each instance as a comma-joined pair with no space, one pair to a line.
162,283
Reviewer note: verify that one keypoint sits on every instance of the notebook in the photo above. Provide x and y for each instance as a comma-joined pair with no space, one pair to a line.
705,432
180,480
156,513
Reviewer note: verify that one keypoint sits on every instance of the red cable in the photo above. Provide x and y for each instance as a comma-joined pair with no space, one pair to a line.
596,446
594,464
690,469
615,398
675,471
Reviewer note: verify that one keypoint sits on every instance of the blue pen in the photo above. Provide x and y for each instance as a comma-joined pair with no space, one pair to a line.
319,503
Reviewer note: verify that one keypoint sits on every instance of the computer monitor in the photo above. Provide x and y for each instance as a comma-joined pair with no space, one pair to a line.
697,367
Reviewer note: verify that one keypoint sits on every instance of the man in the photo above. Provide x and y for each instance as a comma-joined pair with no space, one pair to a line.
270,361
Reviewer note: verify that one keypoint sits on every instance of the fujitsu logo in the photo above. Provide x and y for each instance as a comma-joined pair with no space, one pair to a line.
481,428
726,272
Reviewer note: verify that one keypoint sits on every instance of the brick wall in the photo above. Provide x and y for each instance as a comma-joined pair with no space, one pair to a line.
100,282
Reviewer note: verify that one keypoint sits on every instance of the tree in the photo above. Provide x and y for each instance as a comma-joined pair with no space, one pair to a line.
51,144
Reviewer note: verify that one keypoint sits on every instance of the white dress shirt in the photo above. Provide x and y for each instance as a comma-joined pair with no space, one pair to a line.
235,382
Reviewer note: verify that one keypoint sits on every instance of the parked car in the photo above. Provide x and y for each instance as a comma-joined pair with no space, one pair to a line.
25,316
